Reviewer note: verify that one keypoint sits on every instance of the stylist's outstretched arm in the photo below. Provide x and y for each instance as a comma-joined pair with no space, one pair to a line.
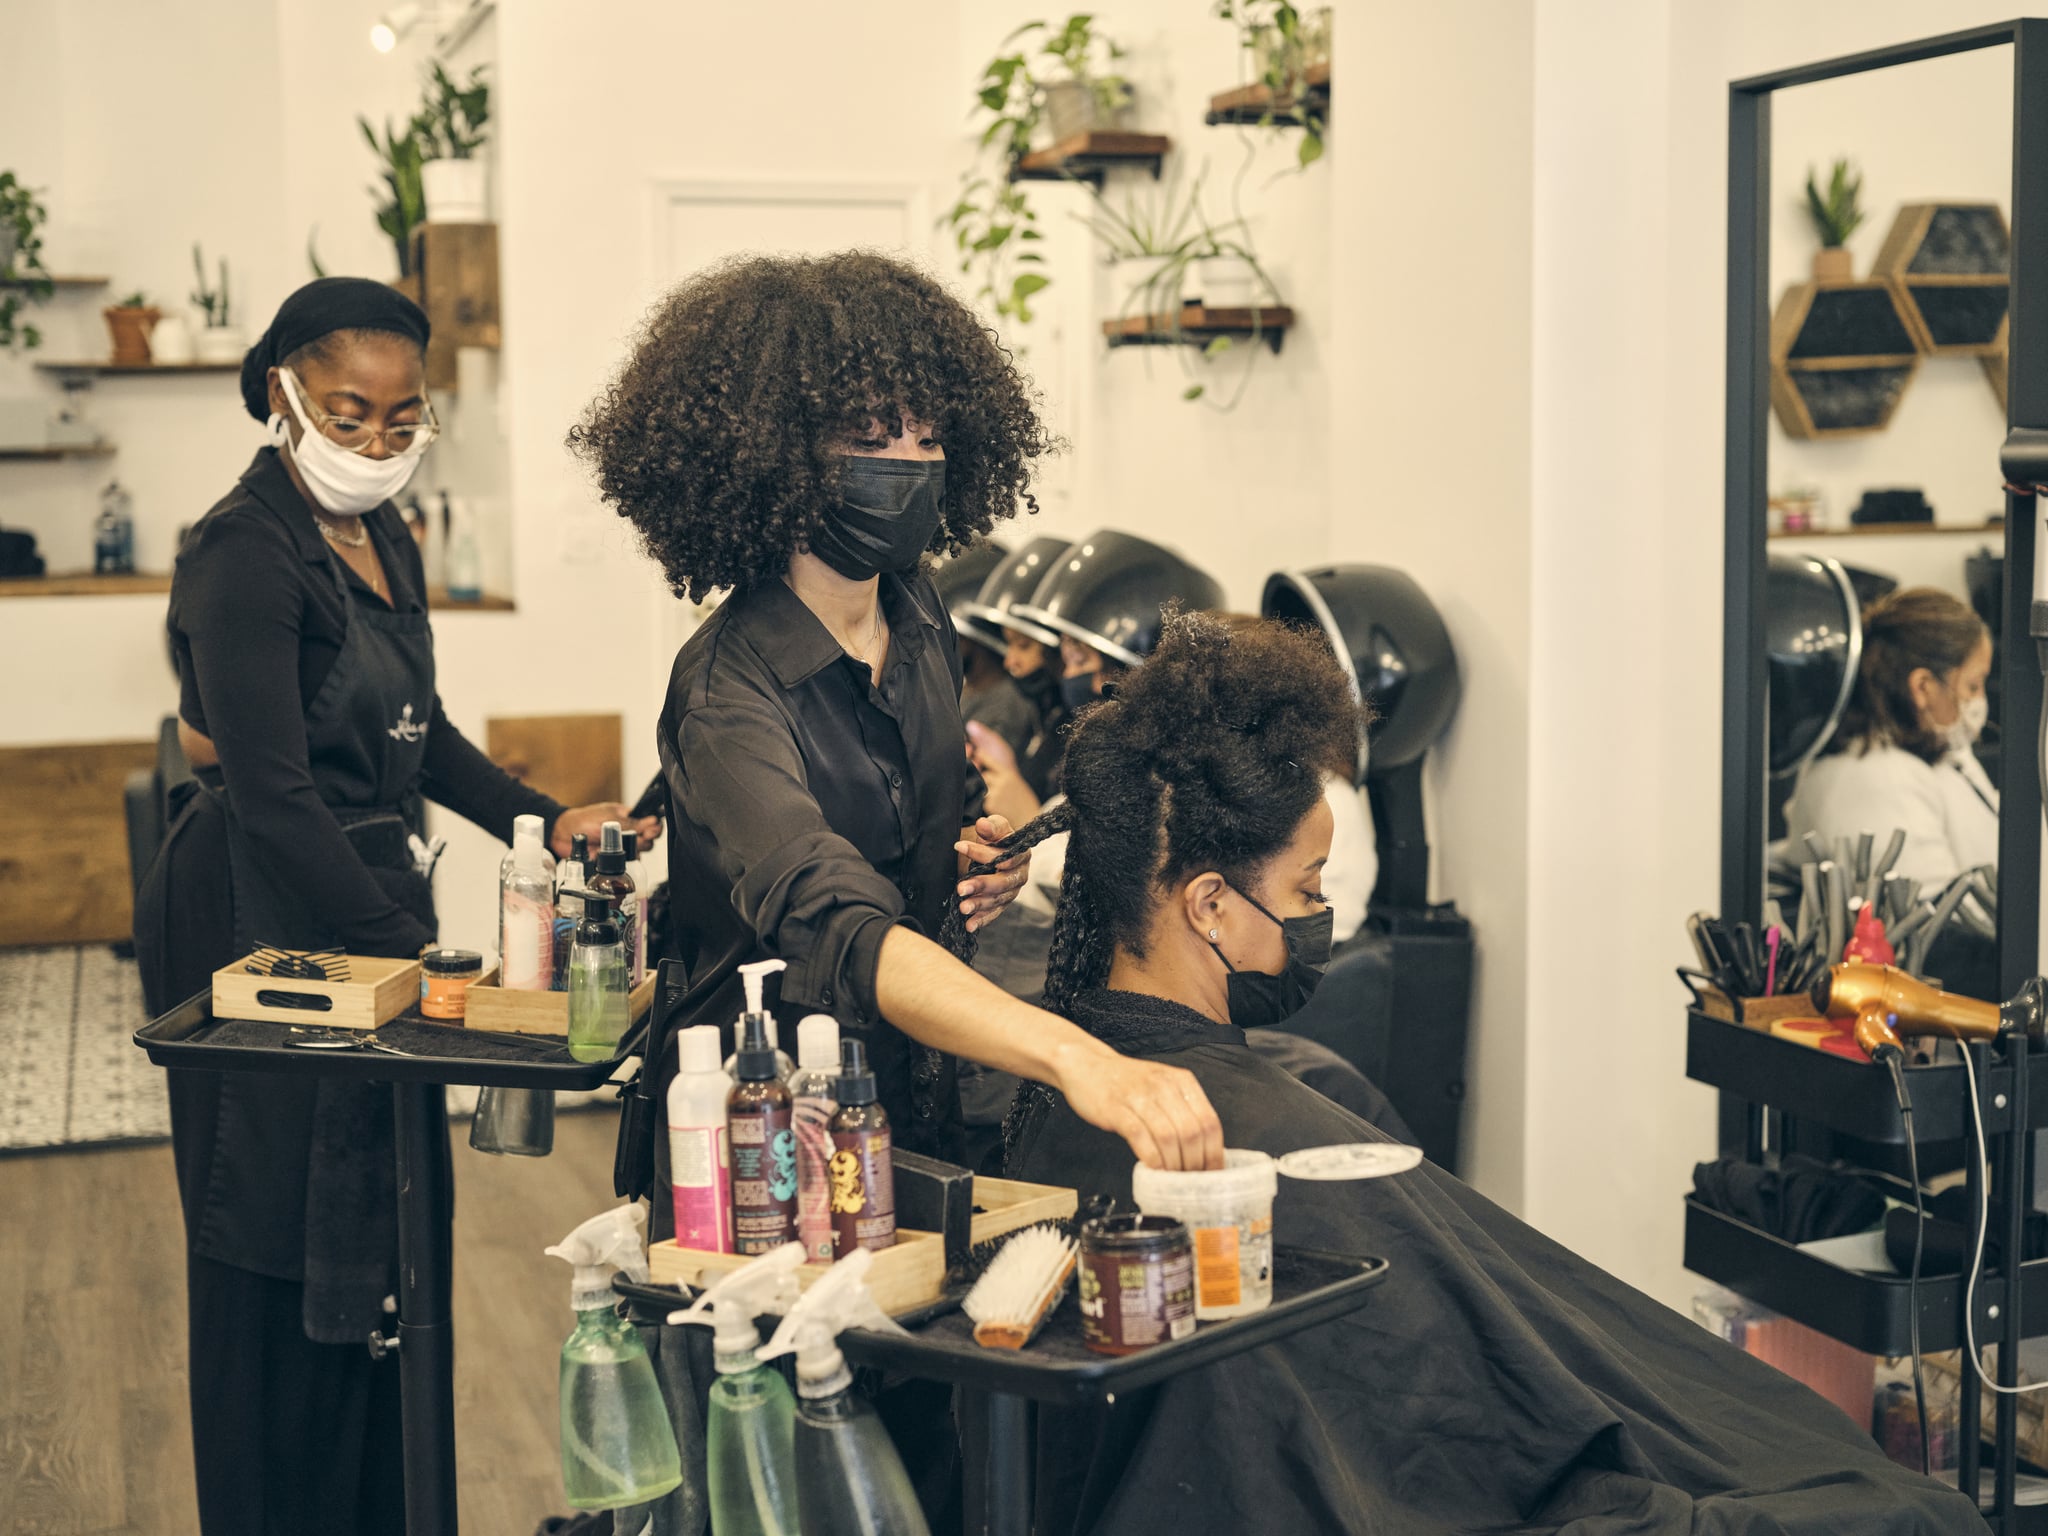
804,433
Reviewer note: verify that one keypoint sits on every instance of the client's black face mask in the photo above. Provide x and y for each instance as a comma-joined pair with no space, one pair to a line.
1078,691
1257,999
887,512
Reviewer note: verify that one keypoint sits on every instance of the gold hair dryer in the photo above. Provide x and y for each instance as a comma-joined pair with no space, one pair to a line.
1887,1003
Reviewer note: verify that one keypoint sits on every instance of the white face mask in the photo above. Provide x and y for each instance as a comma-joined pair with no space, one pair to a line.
1968,725
346,484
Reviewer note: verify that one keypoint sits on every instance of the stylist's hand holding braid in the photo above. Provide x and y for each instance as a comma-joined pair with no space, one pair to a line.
804,432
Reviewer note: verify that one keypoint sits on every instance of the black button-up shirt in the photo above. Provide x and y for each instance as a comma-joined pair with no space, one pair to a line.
811,810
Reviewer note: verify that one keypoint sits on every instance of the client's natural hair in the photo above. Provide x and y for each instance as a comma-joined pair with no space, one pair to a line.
1206,757
1902,632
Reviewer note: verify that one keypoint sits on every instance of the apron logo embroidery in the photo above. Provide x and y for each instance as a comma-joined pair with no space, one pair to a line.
407,728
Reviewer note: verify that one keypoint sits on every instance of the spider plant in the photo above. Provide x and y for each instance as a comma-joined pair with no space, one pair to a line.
1836,212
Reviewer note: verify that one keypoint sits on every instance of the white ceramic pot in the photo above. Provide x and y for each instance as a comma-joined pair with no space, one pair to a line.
455,191
1140,285
220,343
1069,109
1226,282
171,341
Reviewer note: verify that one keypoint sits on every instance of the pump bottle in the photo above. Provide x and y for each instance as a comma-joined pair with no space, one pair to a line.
849,1479
526,910
757,1115
812,1103
618,1446
863,1160
749,1430
699,1155
613,881
598,1001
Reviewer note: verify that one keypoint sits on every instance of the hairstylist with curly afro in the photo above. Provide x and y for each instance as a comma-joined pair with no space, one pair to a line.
804,431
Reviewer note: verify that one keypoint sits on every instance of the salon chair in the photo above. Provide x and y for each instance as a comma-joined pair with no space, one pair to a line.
146,799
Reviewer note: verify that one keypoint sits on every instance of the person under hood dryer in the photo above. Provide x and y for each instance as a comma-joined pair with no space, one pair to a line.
1030,651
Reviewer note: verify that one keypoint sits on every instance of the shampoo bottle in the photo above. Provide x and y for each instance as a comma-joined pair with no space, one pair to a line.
863,1161
811,1107
849,1479
570,875
598,1001
757,1115
618,1447
750,1426
526,910
699,1155
613,881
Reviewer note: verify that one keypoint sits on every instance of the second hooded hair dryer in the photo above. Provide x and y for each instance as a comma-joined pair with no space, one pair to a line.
1888,1005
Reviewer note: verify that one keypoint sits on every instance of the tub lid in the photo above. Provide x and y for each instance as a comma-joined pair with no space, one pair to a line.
1351,1160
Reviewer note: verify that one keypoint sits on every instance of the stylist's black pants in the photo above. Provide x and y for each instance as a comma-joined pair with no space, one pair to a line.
289,1437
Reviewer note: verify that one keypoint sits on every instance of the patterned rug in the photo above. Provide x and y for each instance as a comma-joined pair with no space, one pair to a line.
69,1073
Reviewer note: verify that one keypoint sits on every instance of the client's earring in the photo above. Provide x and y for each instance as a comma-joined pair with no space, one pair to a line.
1213,935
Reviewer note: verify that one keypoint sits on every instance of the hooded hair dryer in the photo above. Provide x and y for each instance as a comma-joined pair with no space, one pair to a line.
1888,1004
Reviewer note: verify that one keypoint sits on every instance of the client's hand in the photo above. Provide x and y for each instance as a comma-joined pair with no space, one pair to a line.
982,897
1160,1110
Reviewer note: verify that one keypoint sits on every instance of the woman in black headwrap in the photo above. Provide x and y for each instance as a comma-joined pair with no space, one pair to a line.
307,705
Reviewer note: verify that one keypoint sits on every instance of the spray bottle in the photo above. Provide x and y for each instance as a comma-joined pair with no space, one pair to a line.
863,1160
618,1447
613,881
570,874
751,1471
757,1118
849,1479
812,1103
599,1007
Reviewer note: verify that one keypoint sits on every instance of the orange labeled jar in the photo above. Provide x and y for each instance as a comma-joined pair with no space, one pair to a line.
445,975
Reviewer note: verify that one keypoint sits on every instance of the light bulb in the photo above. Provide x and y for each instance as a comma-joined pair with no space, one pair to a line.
382,38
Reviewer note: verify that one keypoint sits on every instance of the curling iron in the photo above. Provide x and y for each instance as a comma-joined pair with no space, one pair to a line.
1887,1004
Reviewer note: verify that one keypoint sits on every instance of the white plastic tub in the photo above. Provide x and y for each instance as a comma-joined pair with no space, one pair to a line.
1229,1216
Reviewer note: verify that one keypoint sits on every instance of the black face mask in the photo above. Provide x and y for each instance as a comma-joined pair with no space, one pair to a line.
1078,692
887,512
1041,687
1257,999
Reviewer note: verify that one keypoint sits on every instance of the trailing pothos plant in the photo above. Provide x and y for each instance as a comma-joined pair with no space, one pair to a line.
21,262
994,225
1281,43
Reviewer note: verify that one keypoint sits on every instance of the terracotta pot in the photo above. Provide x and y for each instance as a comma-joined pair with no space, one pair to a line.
130,328
1833,264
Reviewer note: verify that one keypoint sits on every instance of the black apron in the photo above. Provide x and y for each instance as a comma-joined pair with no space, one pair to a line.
245,1141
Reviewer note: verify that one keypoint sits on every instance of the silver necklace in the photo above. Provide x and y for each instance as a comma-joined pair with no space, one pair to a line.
335,536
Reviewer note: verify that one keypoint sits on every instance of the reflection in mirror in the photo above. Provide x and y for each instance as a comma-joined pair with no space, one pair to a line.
1887,342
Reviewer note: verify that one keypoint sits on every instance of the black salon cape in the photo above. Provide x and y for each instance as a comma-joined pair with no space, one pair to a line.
1493,1382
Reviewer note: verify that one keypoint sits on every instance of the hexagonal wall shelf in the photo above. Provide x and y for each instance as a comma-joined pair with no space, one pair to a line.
1949,262
1842,354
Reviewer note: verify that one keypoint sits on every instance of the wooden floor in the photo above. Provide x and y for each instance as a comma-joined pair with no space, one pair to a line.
93,1420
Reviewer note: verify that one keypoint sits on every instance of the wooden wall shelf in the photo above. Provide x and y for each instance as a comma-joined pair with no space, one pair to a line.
1879,530
1197,326
1254,104
56,281
1089,156
85,584
441,602
1950,264
49,455
126,369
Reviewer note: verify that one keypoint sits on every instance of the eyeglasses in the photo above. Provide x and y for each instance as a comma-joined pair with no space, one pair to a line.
352,436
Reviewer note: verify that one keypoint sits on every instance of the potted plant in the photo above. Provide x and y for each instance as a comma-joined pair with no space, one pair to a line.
452,123
129,324
994,225
1835,214
1282,44
401,205
222,340
22,279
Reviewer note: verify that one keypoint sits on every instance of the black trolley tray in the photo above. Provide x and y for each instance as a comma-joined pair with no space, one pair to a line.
190,1036
1309,1287
1852,1097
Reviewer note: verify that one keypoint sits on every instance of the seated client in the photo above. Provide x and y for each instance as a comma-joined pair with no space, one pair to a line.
1495,1381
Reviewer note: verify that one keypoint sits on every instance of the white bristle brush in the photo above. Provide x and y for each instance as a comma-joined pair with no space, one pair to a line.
1020,1288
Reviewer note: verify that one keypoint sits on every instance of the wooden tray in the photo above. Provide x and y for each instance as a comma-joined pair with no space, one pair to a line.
904,1278
378,990
490,1006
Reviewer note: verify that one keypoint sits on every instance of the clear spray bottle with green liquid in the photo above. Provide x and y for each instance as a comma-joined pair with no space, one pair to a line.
618,1447
749,1431
849,1479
